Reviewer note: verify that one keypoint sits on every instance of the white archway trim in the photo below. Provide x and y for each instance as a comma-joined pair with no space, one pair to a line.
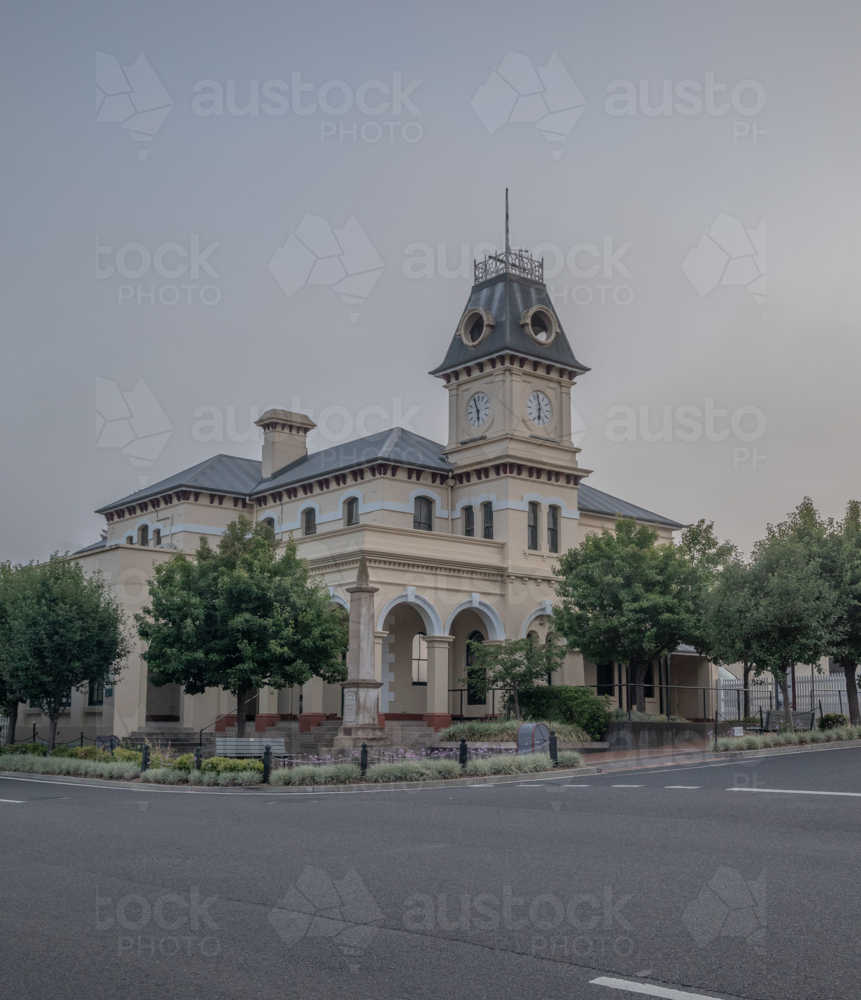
488,614
545,608
429,614
337,599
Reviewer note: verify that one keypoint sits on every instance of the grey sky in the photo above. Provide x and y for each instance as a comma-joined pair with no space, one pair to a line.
429,172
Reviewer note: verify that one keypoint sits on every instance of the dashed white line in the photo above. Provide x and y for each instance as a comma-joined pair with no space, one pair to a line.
651,991
17,802
626,786
796,791
683,786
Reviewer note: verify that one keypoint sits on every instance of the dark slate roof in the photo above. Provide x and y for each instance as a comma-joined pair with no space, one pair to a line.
241,476
220,474
507,296
396,446
593,501
100,544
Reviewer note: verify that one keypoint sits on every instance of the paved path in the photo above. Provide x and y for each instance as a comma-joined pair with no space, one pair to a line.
716,880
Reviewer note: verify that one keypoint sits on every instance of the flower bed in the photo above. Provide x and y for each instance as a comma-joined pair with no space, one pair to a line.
787,739
224,771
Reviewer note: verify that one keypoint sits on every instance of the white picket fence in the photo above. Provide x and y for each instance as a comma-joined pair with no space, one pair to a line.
829,690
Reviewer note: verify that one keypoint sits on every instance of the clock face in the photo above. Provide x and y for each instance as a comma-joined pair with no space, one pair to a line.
538,409
478,409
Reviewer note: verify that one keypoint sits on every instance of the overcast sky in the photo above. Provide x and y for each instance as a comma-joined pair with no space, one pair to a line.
644,145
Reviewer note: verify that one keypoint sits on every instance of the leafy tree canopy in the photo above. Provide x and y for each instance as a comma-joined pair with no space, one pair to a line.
239,617
59,630
625,598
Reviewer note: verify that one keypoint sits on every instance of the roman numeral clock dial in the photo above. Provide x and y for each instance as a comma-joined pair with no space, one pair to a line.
478,409
538,409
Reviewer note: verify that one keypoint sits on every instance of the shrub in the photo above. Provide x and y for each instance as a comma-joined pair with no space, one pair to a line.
89,753
567,703
127,755
35,764
247,776
185,762
832,720
570,758
222,764
202,777
36,749
509,764
316,774
441,769
505,731
405,770
164,776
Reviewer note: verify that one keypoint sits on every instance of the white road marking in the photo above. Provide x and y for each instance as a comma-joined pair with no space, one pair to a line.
683,786
576,786
626,786
795,791
651,991
17,802
524,784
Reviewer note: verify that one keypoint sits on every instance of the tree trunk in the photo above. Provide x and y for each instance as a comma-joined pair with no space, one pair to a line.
746,668
240,712
639,671
852,693
516,703
13,722
52,734
787,704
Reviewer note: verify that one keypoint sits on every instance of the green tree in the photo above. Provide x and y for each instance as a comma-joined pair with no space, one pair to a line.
730,622
60,630
513,664
836,548
625,598
239,617
795,612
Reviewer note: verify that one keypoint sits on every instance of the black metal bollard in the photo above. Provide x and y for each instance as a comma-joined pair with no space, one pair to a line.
144,758
363,759
554,748
267,763
198,758
463,753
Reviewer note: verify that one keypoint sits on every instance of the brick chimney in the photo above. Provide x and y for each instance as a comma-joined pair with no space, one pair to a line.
284,439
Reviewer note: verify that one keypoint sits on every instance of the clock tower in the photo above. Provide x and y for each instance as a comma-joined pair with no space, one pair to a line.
509,370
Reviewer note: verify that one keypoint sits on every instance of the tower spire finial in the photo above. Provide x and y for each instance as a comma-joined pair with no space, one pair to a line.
507,244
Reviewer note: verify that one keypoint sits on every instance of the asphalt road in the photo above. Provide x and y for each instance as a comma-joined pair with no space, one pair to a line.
696,879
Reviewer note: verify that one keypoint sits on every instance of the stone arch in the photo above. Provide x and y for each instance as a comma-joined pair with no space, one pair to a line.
545,608
488,615
427,612
337,599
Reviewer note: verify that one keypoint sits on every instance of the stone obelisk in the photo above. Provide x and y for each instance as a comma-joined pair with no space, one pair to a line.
361,723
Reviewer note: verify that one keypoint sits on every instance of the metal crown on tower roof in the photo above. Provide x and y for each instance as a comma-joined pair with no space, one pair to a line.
510,261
